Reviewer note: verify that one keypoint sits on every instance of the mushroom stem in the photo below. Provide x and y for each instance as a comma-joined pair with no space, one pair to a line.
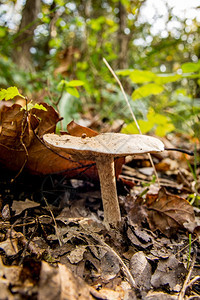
106,171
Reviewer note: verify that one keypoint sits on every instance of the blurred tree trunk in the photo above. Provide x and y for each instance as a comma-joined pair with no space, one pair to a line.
123,41
123,38
24,39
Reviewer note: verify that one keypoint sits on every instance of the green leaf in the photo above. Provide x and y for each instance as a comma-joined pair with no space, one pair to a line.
9,93
166,78
74,83
61,85
30,106
163,130
39,106
73,91
139,76
147,90
190,67
144,125
125,72
65,85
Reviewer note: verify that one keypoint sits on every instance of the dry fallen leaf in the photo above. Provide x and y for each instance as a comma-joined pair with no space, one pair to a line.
22,131
168,212
60,283
169,271
141,270
20,206
78,130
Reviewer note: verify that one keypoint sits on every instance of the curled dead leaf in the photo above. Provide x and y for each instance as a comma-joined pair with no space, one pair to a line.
168,212
78,130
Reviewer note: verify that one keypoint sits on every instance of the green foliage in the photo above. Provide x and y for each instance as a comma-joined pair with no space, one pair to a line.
139,76
190,67
147,90
160,123
69,87
183,111
10,93
31,105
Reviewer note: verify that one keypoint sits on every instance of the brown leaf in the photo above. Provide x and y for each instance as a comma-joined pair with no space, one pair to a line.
141,270
20,206
169,271
18,126
78,130
60,283
168,212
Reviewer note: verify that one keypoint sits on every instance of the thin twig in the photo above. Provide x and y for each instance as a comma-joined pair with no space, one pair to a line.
193,280
185,284
55,223
132,114
124,268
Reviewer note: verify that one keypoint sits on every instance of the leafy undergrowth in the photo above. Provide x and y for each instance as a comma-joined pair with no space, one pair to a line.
53,242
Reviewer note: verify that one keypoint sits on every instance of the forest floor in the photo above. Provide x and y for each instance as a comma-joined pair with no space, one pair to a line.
53,243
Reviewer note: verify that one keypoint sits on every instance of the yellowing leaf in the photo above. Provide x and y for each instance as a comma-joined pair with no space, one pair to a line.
9,93
147,90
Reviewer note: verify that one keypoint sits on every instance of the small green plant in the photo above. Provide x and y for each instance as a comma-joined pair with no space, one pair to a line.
12,92
70,87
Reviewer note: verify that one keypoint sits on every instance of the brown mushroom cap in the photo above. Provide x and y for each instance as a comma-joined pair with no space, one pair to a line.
105,144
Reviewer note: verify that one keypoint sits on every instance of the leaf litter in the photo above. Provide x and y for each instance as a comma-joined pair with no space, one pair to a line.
53,243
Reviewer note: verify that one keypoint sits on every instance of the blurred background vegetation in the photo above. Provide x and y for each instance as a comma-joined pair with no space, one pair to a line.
152,45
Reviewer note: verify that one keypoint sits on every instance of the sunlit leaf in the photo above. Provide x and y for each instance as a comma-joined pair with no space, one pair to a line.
139,76
73,91
68,86
163,130
166,78
125,72
31,105
144,125
39,106
190,67
74,83
147,90
9,93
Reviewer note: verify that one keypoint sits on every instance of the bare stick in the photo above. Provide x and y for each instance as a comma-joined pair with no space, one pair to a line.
124,94
185,285
132,114
124,268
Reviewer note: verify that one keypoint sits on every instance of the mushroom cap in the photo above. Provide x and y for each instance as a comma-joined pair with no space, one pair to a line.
105,144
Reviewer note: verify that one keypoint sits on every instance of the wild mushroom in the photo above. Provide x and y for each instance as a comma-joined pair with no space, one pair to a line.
102,149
